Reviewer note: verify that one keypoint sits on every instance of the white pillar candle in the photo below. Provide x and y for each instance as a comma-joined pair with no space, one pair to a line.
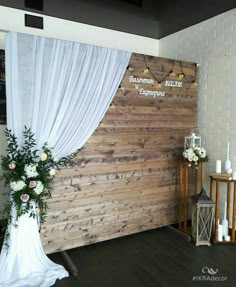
234,175
227,162
229,170
227,238
218,166
225,223
225,227
220,229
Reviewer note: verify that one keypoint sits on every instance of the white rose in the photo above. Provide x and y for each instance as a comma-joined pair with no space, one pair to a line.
52,172
190,158
43,156
202,152
30,170
195,158
39,187
17,185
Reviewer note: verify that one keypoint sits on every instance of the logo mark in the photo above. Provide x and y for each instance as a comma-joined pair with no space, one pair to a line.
209,274
209,270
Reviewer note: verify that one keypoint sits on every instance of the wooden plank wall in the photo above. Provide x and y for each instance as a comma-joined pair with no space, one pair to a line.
125,180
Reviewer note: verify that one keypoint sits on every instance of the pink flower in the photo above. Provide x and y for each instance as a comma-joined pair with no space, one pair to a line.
24,197
12,165
32,184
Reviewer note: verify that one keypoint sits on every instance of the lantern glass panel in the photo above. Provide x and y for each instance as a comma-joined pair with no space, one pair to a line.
192,141
202,218
204,223
203,208
194,222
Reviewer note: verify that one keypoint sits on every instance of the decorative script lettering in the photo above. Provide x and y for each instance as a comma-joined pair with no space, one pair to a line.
151,93
176,84
144,92
133,79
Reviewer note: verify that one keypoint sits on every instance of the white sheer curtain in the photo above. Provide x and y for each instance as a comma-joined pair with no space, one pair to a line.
61,90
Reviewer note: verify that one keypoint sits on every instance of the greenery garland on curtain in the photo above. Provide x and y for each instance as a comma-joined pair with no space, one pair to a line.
29,175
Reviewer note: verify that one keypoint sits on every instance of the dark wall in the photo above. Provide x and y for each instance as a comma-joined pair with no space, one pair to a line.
111,14
153,18
178,15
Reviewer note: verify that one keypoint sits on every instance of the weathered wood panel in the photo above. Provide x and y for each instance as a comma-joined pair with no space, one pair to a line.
125,180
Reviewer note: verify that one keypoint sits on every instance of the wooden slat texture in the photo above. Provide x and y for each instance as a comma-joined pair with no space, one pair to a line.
125,179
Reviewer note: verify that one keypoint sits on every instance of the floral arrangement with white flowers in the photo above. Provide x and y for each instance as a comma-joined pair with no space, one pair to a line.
29,174
194,155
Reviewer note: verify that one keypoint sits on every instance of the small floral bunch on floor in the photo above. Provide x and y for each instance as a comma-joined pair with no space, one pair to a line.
29,175
195,155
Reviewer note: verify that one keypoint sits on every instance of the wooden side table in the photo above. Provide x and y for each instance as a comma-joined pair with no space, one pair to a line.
218,182
183,190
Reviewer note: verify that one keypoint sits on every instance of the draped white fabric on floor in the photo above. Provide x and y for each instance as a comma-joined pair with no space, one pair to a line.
60,90
25,263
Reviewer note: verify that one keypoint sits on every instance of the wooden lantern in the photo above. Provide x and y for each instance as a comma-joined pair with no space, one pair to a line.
203,209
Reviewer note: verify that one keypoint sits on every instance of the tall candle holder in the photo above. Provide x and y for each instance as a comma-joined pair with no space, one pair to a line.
227,162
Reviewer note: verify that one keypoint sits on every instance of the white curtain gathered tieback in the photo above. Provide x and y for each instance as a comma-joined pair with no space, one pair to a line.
61,90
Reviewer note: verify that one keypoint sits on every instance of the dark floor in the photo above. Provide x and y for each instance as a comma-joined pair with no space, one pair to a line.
155,258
